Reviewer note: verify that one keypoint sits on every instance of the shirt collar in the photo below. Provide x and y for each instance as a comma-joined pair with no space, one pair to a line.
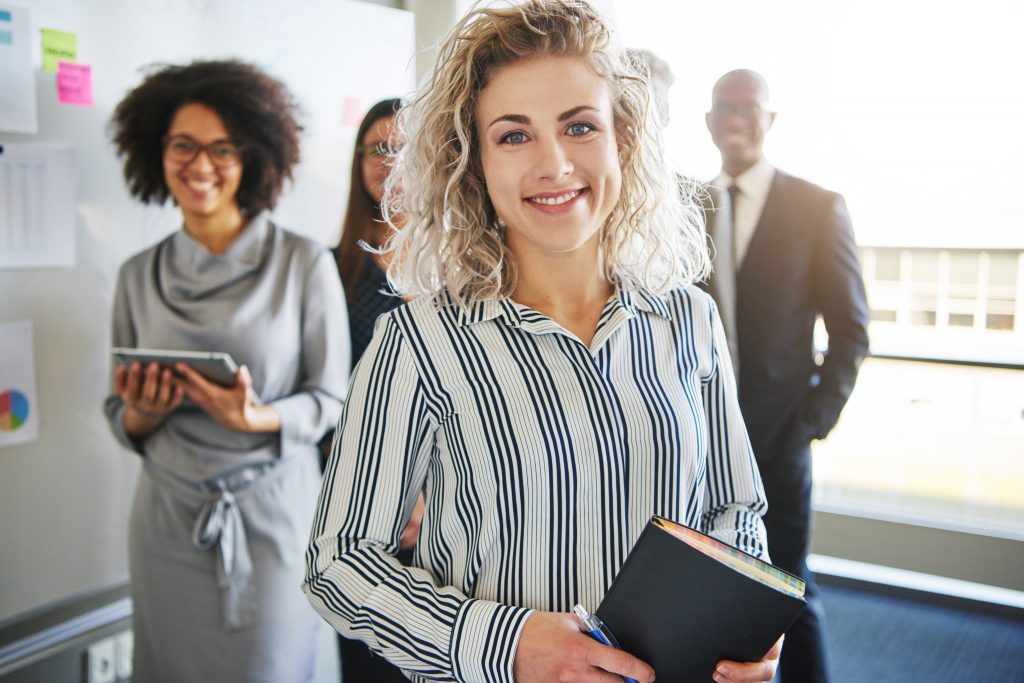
639,301
482,311
517,315
245,250
755,182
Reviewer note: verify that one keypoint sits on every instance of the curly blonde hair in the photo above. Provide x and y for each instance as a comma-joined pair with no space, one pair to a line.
450,237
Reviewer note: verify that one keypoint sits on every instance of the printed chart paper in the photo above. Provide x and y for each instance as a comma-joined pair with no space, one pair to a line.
37,206
18,92
19,408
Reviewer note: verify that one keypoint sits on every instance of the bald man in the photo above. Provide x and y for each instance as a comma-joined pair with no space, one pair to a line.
785,256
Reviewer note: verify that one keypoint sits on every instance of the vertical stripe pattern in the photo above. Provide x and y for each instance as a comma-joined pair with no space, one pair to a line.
541,459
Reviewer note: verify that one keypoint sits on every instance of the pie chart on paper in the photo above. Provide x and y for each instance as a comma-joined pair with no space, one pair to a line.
13,410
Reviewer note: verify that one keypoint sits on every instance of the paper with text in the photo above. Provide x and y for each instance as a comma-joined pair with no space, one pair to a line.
37,206
18,93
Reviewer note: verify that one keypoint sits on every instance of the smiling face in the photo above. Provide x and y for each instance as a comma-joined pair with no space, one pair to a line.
739,119
202,189
549,155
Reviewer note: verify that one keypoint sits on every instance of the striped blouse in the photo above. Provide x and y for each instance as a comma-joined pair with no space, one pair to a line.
541,459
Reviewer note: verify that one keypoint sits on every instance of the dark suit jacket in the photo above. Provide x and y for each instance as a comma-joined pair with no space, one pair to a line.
801,262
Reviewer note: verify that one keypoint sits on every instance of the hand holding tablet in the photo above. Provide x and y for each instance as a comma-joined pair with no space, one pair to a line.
215,366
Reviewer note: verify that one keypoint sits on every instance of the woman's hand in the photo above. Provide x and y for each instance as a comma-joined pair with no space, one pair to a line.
149,395
412,529
552,648
237,407
750,672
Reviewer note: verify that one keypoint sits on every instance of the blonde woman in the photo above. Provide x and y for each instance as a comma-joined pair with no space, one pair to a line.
556,380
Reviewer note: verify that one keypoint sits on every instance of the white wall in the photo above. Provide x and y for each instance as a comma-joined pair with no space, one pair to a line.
65,498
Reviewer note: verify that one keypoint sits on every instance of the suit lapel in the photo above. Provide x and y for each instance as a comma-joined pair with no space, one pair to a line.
765,238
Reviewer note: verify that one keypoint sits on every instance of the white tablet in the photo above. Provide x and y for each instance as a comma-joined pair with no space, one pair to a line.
215,366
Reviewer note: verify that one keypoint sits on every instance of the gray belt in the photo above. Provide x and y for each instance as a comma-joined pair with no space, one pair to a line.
219,525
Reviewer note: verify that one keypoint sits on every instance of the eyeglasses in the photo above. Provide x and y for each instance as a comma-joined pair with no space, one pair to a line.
380,149
182,149
747,110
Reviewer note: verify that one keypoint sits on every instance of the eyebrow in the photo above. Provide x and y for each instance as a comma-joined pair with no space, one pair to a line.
186,135
525,120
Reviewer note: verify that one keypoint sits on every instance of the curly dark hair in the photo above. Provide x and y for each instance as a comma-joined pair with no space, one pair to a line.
258,112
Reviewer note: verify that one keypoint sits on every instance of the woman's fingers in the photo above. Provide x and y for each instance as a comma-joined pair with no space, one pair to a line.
148,389
621,662
196,386
167,387
133,383
151,383
552,648
120,380
750,672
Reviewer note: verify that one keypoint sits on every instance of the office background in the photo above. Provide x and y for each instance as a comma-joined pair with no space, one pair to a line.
919,489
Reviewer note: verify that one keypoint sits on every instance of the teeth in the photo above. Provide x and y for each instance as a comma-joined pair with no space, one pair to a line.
555,201
200,186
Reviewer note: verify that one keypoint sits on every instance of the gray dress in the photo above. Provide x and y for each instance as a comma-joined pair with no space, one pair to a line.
221,518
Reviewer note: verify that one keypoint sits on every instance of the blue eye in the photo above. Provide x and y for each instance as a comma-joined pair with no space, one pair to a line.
513,138
579,129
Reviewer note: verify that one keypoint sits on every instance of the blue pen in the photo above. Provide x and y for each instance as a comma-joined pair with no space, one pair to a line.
596,629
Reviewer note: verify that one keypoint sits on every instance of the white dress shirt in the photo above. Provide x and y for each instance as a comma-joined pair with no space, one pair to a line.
754,185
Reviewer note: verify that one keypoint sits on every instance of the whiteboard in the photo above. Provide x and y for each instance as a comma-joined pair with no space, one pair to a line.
65,498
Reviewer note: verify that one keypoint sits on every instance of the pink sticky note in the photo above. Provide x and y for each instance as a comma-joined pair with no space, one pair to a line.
74,83
351,112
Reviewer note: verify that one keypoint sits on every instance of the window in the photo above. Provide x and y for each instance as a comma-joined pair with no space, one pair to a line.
887,265
963,269
935,201
961,319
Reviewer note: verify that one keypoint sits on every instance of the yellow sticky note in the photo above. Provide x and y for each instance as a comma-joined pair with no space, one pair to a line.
58,45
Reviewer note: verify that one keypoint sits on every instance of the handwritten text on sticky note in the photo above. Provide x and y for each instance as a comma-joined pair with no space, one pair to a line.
58,45
74,83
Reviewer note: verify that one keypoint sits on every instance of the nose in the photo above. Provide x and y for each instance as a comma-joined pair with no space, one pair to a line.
202,161
552,160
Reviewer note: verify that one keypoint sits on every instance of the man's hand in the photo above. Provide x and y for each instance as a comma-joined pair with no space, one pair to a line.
552,648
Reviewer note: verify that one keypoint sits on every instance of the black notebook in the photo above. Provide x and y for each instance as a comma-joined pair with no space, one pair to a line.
683,601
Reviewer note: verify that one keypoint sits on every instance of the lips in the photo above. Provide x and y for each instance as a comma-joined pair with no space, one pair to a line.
200,187
555,198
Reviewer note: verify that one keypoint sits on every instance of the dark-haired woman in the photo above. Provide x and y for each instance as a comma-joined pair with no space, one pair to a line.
366,290
230,474
362,272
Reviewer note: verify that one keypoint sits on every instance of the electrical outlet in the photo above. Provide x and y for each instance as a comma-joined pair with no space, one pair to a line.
123,648
102,667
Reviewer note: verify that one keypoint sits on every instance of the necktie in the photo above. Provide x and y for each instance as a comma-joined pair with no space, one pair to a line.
734,192
723,279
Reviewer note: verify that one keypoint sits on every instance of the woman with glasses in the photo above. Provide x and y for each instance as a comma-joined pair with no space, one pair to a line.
367,293
230,474
362,272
